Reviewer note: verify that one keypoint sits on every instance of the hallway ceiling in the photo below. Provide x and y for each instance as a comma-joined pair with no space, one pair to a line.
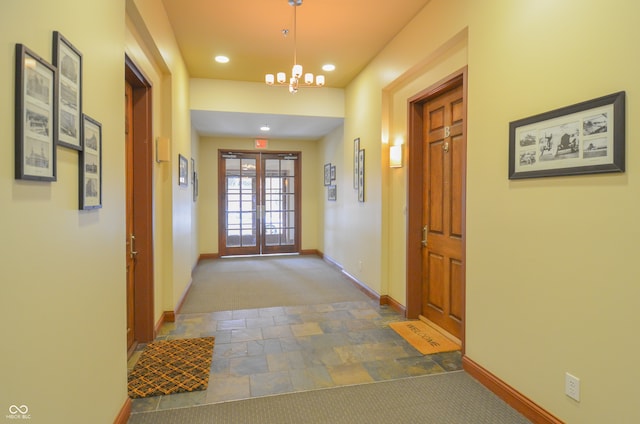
348,34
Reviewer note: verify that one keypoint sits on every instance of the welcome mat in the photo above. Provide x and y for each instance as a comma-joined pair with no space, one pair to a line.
424,338
172,366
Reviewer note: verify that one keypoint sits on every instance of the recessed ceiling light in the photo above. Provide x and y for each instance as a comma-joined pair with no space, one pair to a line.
328,67
222,59
265,127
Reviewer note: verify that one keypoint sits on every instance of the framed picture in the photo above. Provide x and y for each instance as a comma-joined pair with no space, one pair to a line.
331,193
361,175
327,174
333,173
356,150
584,138
193,171
35,117
195,186
90,177
183,170
68,60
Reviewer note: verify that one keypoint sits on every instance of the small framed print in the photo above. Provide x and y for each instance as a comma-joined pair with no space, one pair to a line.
356,150
195,186
332,193
327,174
35,117
183,171
90,177
361,175
68,60
333,173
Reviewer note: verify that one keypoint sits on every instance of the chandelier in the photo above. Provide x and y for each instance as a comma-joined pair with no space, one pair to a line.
295,81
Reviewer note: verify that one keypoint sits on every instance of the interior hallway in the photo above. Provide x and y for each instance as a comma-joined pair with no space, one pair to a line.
280,349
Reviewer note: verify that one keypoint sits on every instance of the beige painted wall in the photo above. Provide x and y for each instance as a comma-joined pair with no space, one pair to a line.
312,187
62,270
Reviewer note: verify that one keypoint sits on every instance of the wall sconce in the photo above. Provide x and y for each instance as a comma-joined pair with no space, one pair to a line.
395,156
163,149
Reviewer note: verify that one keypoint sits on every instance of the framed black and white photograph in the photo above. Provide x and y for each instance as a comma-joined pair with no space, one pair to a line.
332,193
327,174
584,138
193,171
356,150
68,60
361,175
333,172
183,171
90,164
35,117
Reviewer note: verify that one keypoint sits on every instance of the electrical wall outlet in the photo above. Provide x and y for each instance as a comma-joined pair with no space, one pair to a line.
572,386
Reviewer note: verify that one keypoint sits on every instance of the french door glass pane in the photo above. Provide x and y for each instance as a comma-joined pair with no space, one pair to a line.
240,207
279,189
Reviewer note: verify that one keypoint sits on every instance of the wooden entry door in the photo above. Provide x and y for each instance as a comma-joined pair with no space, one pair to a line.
442,253
437,190
130,237
259,207
139,207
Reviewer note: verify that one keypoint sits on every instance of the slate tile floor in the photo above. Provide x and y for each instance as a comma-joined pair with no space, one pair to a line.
268,351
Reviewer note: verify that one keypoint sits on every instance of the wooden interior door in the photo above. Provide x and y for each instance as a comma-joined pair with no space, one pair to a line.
129,236
443,267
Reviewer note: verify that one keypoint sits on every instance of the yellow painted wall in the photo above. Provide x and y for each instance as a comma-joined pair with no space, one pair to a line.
552,280
253,97
208,187
552,285
62,270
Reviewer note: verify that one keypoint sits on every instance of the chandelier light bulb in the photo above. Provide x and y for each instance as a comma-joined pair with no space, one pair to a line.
308,78
281,77
320,80
269,79
296,71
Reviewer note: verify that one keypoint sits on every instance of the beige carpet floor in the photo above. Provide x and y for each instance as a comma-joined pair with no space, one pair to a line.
449,398
227,284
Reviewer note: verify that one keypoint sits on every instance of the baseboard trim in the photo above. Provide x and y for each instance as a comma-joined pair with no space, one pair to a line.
125,413
393,304
511,396
314,252
208,256
178,307
167,316
362,287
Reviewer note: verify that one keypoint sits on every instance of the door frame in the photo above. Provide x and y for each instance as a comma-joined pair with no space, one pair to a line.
143,201
415,163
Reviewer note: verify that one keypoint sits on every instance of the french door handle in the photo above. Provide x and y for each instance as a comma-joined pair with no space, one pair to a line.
425,230
132,246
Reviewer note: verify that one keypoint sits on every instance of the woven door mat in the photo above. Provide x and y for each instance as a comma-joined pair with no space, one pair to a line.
172,366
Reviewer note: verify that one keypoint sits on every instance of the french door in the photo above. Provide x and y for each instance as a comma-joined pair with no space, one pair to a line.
259,203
